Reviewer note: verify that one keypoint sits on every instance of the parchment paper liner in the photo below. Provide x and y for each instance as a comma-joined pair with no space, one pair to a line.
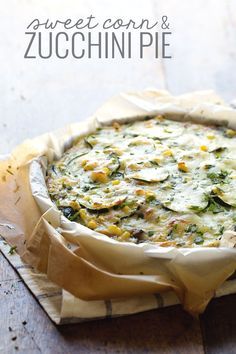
99,268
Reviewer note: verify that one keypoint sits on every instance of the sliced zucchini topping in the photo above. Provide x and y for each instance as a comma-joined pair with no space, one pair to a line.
150,175
98,203
168,182
227,192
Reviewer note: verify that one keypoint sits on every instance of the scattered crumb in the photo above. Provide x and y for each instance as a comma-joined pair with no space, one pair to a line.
8,171
17,188
18,199
14,338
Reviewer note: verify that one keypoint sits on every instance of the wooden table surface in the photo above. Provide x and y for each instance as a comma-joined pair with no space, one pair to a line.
37,96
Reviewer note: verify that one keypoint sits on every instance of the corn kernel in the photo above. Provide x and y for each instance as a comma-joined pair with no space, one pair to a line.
83,162
92,224
126,209
99,177
211,136
87,197
217,190
182,167
215,243
168,153
140,192
118,152
158,159
122,165
125,235
113,229
230,133
133,167
115,182
90,166
149,194
203,148
106,170
75,205
83,214
104,232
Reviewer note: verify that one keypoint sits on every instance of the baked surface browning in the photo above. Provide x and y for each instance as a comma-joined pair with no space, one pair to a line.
156,180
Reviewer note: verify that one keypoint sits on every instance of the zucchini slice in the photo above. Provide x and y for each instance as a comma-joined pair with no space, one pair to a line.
227,192
185,199
158,131
150,175
90,140
98,203
114,163
76,157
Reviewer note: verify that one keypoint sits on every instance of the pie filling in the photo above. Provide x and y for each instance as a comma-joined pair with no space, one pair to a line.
157,180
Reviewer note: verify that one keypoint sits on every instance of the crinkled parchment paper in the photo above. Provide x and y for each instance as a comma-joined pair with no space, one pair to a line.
88,265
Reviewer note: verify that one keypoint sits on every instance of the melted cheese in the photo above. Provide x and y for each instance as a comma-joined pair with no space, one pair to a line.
157,180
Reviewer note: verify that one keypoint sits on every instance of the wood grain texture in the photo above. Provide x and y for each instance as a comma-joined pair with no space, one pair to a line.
218,325
25,328
167,330
6,272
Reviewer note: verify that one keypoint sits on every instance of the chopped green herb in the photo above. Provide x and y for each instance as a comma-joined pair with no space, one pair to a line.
219,177
214,207
12,250
74,217
221,230
196,208
199,240
208,167
76,157
150,198
191,228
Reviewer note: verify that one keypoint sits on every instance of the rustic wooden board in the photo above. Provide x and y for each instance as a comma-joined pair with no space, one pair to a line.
218,325
25,328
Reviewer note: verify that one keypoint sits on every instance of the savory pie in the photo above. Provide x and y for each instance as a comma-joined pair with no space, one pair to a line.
168,182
